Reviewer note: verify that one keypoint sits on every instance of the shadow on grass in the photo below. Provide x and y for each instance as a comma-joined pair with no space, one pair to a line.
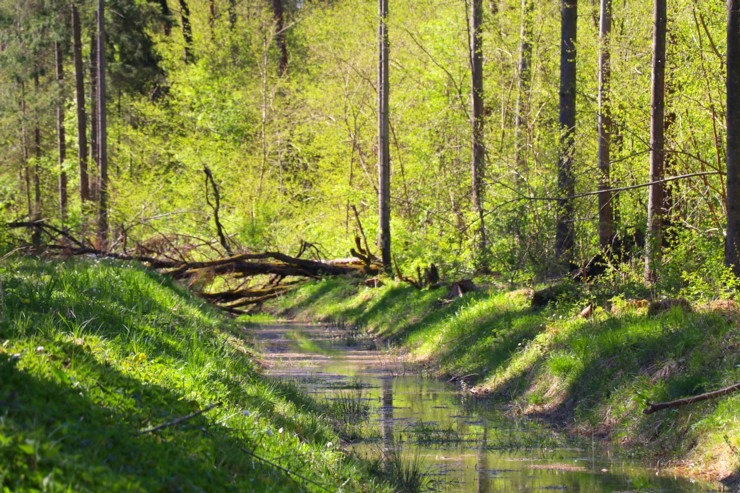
69,417
79,442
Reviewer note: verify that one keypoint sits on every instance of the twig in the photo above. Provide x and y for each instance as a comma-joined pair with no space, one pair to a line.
284,469
690,400
179,420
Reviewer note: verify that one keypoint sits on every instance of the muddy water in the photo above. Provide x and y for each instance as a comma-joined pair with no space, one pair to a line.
462,444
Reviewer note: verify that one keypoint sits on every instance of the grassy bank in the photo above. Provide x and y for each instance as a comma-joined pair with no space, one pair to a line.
95,355
592,375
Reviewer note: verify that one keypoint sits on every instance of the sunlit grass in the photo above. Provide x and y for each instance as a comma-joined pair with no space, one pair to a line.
94,352
597,373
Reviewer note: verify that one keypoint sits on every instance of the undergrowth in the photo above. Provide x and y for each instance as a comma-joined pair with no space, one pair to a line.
93,354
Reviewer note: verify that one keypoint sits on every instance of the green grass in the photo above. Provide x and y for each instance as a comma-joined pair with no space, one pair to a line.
594,376
94,352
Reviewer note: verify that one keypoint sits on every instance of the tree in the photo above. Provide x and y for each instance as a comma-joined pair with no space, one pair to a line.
278,14
523,87
564,238
606,217
732,241
82,151
102,130
61,134
654,235
187,30
384,165
477,121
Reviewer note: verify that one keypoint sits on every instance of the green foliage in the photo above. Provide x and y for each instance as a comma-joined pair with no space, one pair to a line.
293,153
92,353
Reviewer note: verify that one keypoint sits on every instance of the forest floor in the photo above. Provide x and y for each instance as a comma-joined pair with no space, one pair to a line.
593,376
112,378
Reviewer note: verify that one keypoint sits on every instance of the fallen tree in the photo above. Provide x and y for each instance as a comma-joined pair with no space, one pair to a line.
246,279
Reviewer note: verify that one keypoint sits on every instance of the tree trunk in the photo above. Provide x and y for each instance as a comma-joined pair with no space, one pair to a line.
384,165
657,145
187,30
565,233
80,96
477,120
732,245
277,8
167,14
521,125
61,144
94,127
36,238
102,138
606,216
24,147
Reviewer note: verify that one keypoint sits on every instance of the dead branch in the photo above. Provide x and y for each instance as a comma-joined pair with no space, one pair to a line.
235,270
690,400
179,420
216,207
368,254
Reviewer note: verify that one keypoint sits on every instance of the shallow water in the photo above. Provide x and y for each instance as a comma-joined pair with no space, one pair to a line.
461,443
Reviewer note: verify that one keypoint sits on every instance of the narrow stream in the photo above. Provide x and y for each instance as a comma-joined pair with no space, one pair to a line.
463,445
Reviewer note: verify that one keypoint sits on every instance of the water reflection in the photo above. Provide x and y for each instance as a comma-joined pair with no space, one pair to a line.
467,446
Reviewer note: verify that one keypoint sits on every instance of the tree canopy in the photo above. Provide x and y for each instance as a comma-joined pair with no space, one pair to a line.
279,100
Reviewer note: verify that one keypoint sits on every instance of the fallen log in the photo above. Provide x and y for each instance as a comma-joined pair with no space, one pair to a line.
652,408
237,270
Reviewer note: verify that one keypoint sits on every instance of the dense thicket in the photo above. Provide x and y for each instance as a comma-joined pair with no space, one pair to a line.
279,100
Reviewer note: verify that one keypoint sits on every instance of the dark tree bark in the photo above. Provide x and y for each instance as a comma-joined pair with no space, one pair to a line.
384,165
279,16
565,233
102,138
187,30
606,216
37,164
732,245
211,15
36,216
477,121
657,145
61,143
94,126
80,96
167,14
24,147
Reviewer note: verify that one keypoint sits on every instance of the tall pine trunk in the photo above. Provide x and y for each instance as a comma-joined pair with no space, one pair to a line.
94,127
732,245
102,137
521,123
653,240
606,216
26,154
279,16
565,233
80,97
384,164
36,216
61,143
187,30
477,121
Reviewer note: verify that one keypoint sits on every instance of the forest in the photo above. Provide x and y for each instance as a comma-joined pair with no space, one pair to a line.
521,139
538,202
